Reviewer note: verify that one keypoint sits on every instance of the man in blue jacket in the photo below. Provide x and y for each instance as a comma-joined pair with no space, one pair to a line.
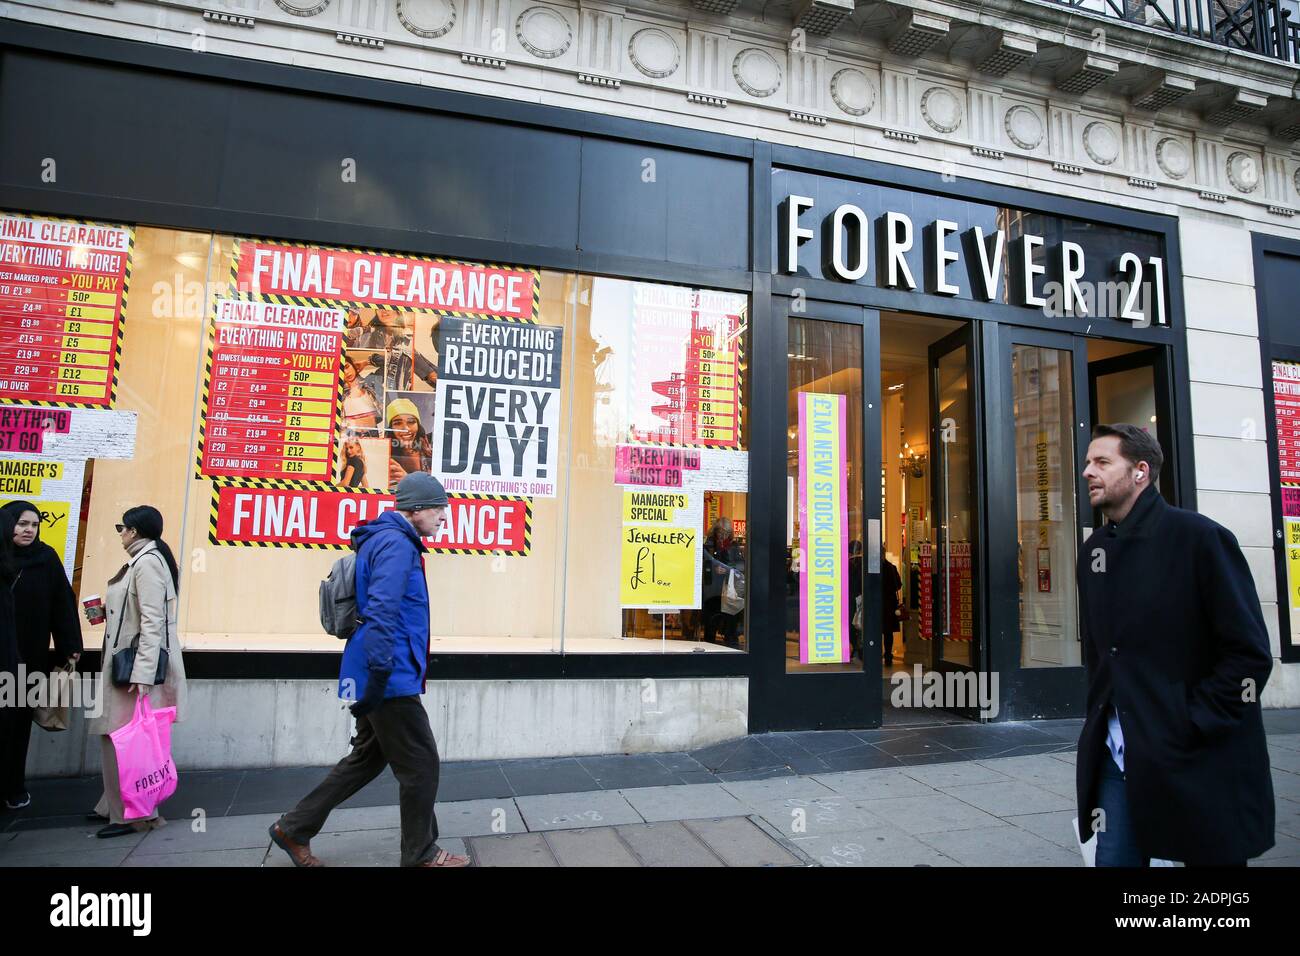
384,672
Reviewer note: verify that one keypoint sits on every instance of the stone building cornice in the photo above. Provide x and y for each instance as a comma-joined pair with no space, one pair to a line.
1024,91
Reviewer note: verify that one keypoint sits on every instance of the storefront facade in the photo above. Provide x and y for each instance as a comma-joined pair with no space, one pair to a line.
607,332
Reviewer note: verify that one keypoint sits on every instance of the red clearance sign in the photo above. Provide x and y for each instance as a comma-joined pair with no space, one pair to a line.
277,517
341,275
62,288
271,391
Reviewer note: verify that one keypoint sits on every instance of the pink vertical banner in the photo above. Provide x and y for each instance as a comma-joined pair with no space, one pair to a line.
823,530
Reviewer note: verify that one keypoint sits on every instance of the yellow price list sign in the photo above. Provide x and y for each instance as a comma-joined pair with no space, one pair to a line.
717,434
305,468
84,358
79,297
87,327
81,390
78,374
307,452
307,438
86,343
657,566
307,421
297,405
311,391
710,407
709,392
312,378
91,312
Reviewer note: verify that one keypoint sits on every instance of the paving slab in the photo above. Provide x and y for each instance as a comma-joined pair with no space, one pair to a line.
201,858
218,833
1000,846
667,844
1070,756
738,842
554,775
1283,758
479,818
365,818
1284,845
1287,813
879,846
769,773
929,814
71,839
862,757
754,792
796,817
704,801
955,774
1010,797
1055,827
596,847
1285,741
519,849
875,784
624,771
476,784
743,754
1044,771
95,857
572,811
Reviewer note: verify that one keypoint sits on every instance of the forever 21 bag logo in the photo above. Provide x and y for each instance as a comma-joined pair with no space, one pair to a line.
156,779
78,909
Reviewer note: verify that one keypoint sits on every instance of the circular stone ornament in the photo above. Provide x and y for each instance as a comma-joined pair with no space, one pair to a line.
654,52
756,72
1101,142
853,91
941,109
302,8
543,32
1173,157
1024,127
427,18
1243,172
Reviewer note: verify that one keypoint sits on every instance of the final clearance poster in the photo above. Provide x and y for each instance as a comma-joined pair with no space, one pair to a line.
63,287
333,373
823,530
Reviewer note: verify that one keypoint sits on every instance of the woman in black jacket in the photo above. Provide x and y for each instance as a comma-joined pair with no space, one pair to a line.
48,608
8,627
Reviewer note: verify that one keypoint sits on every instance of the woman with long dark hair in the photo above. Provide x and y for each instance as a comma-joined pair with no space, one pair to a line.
44,607
141,608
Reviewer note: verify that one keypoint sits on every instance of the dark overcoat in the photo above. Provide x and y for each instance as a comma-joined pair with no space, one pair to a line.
1174,638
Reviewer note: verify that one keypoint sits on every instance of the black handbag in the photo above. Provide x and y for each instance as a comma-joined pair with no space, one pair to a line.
124,661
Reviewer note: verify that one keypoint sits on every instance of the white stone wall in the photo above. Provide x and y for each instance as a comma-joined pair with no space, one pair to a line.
233,724
1229,420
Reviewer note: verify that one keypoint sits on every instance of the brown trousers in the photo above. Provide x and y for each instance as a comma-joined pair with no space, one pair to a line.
396,734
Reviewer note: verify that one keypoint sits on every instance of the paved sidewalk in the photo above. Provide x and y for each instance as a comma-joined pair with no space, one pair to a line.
950,794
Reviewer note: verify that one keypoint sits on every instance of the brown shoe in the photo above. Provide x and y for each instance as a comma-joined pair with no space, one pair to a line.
443,858
300,853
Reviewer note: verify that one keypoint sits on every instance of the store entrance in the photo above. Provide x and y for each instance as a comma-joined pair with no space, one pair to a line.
930,501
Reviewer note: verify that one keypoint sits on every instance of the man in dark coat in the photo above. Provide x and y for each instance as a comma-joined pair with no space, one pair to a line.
1172,759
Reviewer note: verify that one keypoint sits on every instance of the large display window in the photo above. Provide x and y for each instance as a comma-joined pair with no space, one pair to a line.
591,433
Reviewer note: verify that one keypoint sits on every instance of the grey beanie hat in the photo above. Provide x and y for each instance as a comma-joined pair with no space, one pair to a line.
420,490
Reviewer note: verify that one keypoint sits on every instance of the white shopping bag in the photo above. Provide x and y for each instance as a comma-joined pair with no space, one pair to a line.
1089,848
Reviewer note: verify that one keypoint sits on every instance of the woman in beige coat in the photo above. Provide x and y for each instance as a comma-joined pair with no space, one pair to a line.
141,608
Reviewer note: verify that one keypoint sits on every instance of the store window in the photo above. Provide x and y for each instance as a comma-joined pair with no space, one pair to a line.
592,434
1043,411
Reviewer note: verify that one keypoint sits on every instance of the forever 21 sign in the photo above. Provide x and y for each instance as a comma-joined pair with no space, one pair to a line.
849,237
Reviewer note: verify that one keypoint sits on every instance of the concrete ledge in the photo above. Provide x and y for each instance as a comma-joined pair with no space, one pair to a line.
248,724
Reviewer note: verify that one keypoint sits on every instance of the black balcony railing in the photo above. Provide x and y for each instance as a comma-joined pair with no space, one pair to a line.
1266,27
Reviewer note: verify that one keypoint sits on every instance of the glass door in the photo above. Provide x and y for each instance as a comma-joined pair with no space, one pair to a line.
1037,518
822,668
950,564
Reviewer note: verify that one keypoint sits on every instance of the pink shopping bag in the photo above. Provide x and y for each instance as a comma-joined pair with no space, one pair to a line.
145,771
